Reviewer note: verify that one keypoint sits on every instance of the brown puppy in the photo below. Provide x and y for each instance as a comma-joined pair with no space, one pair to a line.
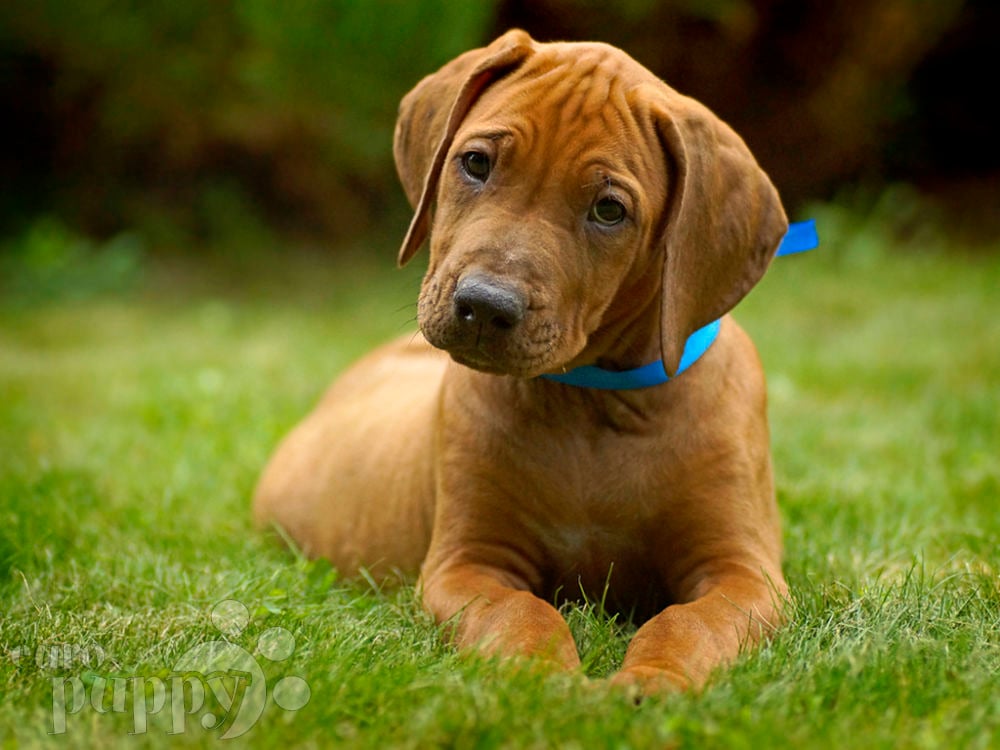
580,212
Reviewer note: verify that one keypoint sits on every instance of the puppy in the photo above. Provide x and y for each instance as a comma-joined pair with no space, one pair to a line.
580,411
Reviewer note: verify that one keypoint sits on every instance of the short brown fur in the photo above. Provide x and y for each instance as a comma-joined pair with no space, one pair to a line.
503,489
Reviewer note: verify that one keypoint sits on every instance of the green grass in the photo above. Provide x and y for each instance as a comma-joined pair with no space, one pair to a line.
133,423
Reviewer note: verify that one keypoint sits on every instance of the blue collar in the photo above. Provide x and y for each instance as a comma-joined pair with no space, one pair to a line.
800,237
654,373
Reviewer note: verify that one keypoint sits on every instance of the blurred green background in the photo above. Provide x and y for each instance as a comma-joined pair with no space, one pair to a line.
235,129
199,217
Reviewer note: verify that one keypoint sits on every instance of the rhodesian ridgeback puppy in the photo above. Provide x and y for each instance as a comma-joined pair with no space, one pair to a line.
585,221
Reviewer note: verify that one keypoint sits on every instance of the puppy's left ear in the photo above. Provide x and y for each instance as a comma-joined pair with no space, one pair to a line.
724,219
430,115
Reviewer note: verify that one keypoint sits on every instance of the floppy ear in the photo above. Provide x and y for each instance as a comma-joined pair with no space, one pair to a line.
724,219
430,115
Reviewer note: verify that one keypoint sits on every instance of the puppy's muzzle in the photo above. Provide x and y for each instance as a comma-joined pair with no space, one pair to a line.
486,308
485,325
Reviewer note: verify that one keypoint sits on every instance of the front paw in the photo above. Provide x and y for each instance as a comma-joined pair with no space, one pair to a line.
640,681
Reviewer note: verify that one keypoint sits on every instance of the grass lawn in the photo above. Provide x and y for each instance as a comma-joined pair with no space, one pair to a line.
134,421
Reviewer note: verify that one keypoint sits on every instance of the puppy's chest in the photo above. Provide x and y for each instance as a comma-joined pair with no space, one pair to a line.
586,544
603,563
607,534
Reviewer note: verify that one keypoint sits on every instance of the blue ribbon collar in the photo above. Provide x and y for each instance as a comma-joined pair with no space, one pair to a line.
801,236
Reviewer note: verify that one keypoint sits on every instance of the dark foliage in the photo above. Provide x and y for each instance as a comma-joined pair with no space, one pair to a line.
222,123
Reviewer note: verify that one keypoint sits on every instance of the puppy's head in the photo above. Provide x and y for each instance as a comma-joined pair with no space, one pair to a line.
572,198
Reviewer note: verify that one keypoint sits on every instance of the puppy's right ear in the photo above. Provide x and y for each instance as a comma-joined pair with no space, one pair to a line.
724,219
430,115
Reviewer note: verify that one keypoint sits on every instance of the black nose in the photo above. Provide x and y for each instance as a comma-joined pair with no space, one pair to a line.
482,301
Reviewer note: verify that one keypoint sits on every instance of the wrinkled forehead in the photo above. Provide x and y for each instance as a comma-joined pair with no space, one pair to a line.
569,98
565,83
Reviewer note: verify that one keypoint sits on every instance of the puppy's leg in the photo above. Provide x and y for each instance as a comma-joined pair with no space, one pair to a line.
493,613
731,605
353,482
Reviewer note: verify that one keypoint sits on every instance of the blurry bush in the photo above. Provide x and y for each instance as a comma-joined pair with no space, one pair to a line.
231,123
190,118
50,261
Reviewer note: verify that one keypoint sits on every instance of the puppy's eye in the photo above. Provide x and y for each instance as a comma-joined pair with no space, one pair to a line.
477,165
608,211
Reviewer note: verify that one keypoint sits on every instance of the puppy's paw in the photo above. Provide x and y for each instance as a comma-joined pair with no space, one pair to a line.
640,682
